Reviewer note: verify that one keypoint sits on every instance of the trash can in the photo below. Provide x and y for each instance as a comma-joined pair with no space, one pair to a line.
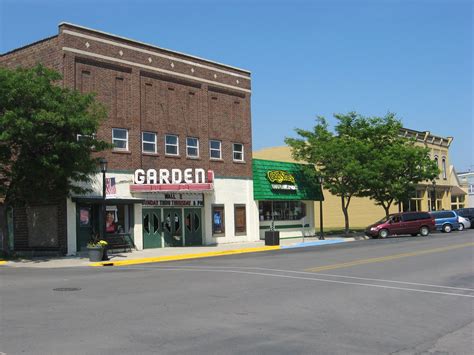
272,238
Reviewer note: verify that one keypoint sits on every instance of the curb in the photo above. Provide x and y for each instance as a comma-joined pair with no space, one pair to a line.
184,256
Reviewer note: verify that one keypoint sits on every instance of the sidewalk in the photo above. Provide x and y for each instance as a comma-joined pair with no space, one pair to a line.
169,254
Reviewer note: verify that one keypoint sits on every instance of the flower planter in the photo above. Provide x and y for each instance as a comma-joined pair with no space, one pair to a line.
96,253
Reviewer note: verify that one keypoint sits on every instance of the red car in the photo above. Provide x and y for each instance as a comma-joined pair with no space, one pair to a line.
413,223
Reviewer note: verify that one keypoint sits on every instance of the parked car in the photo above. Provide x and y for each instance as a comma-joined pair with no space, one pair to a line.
463,223
466,213
413,223
445,221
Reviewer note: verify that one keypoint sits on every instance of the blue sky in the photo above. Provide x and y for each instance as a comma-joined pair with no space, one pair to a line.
307,58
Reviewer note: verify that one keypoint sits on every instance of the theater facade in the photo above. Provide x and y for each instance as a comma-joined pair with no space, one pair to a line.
180,171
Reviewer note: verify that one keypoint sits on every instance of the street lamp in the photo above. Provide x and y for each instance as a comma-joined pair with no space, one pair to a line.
321,235
433,196
103,169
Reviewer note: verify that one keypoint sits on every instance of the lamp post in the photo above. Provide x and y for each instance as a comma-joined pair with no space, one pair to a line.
103,169
433,196
321,235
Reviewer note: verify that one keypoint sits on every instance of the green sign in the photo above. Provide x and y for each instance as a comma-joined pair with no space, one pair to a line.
274,180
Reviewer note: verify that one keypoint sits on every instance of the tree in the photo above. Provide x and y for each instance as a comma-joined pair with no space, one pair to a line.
397,169
41,155
365,157
340,158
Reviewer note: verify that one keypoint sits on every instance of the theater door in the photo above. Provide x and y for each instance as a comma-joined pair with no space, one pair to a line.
193,226
173,227
152,228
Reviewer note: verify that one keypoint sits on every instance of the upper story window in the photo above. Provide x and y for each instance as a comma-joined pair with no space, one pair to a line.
149,142
238,152
471,188
192,147
436,161
171,144
215,149
443,167
120,138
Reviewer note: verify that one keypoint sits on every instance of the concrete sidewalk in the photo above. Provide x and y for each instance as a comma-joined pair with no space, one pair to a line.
169,254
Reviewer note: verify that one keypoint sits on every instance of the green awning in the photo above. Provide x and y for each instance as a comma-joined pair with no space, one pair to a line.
274,180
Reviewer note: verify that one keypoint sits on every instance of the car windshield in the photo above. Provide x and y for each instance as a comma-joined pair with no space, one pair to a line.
383,220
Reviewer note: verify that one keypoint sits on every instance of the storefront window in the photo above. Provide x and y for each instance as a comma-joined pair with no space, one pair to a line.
218,220
282,210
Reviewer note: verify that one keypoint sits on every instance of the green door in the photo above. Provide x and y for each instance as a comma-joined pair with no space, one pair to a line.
193,226
85,225
173,227
152,228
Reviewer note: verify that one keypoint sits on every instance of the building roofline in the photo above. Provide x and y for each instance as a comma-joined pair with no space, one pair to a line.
28,45
424,135
153,46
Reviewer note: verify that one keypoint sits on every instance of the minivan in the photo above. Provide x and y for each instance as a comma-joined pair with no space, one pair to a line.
413,223
466,213
445,221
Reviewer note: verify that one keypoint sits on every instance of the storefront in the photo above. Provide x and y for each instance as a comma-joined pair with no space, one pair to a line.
285,193
165,208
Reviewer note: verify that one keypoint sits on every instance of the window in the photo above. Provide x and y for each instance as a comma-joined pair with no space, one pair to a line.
120,138
218,227
443,162
238,152
240,220
436,161
215,149
471,188
171,145
282,210
148,142
192,147
457,202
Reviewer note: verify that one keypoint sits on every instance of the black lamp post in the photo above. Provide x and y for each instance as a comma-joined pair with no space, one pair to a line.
321,235
433,196
103,169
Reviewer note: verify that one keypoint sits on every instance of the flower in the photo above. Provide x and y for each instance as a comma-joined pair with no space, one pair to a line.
97,244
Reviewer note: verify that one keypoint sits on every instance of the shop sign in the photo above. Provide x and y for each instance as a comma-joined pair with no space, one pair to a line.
282,180
167,176
172,180
173,199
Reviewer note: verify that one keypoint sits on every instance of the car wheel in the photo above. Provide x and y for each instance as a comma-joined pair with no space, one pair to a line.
424,231
383,233
414,234
447,228
461,227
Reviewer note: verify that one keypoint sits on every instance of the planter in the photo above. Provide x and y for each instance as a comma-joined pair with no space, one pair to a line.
272,238
96,253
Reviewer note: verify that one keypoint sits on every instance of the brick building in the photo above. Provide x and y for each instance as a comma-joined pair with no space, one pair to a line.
182,121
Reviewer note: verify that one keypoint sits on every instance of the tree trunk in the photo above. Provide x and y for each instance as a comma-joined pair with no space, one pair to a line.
387,208
3,228
346,214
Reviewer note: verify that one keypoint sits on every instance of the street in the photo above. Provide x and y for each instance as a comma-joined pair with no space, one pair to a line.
402,295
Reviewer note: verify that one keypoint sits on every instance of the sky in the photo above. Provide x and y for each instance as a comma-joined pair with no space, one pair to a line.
307,58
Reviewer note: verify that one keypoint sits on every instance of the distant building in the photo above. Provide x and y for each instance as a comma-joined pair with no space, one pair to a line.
467,182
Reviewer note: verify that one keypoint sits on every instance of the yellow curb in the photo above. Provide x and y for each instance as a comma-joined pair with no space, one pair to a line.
2,262
159,259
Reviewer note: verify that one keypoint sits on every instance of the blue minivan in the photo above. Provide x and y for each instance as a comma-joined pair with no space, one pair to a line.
445,221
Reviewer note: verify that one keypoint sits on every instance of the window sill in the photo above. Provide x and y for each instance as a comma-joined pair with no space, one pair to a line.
193,158
239,161
218,235
121,152
216,160
150,154
173,156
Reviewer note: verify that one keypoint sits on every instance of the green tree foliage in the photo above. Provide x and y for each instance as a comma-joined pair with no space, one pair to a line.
41,156
365,156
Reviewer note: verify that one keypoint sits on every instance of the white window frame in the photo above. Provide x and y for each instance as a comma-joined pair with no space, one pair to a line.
190,146
172,145
235,151
443,168
214,149
120,139
149,142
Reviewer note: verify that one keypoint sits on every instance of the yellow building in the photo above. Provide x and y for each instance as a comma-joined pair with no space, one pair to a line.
363,211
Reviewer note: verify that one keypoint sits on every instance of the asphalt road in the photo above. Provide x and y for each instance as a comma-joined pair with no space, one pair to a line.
407,295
